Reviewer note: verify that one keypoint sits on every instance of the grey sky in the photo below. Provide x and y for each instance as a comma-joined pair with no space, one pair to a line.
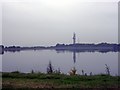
50,22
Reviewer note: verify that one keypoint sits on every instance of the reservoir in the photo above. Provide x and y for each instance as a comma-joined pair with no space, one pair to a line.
38,60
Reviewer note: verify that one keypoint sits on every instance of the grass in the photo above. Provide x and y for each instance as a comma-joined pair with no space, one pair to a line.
41,80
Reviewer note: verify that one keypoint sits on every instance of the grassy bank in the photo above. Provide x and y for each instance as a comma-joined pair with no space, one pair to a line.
40,80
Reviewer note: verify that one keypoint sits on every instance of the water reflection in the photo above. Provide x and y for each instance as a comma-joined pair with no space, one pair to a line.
73,71
2,51
25,61
74,56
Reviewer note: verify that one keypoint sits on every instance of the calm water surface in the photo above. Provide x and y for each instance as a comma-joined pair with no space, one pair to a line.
94,62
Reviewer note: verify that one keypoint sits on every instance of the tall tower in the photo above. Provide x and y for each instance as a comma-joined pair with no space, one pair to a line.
74,38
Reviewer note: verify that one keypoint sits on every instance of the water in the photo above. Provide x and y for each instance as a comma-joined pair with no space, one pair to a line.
25,61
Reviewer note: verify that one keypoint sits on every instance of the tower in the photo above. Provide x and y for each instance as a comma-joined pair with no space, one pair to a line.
74,38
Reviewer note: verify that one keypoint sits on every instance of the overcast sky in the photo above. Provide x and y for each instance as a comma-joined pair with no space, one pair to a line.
48,22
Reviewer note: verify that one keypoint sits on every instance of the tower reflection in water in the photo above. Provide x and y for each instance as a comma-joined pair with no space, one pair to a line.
73,71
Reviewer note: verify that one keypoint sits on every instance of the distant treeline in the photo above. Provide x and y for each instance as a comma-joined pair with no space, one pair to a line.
88,45
71,47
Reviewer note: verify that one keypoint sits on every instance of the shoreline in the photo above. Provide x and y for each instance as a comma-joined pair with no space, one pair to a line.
52,81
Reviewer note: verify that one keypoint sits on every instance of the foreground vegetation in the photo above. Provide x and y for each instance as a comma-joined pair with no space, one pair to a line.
55,79
41,80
